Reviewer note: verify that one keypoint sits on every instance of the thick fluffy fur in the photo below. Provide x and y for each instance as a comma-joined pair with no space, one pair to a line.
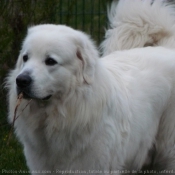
104,115
139,23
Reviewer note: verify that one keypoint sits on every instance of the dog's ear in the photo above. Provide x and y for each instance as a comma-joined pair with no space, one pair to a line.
87,53
87,73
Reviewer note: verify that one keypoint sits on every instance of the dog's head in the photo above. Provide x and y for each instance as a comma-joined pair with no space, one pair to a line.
54,60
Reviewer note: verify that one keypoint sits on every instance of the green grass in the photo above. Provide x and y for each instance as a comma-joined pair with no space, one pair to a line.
11,153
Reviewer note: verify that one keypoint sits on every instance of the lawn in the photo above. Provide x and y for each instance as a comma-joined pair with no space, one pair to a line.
11,154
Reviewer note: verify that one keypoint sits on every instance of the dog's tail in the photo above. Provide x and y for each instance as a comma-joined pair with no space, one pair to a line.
139,23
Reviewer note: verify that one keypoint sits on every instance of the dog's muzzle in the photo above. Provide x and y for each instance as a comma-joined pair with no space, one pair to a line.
24,85
23,82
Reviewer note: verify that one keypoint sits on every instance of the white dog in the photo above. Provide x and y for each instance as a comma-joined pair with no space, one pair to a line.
91,115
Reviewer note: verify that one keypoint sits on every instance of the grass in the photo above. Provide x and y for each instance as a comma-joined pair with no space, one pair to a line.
11,154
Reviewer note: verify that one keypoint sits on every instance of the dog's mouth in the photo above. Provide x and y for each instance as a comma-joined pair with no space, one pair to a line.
29,96
47,97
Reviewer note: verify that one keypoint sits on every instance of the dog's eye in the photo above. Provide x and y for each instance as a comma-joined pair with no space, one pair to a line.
50,62
25,58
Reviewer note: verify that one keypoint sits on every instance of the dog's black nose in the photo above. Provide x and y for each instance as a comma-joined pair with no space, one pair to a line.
23,80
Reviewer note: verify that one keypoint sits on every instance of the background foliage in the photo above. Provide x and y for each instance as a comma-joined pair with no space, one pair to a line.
15,17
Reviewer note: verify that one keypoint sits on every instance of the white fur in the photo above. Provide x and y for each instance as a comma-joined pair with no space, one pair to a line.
104,114
137,23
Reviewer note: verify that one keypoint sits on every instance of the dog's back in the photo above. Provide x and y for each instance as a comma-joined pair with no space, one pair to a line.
136,23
